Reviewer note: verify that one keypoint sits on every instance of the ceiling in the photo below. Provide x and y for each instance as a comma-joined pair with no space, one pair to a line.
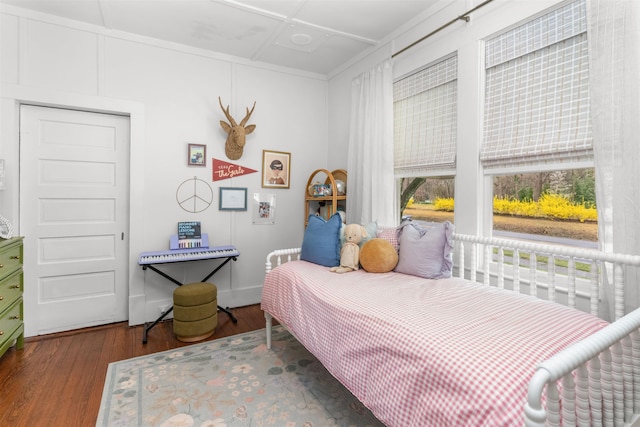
318,36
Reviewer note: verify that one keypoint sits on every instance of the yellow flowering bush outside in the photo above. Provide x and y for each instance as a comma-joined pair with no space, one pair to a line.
444,204
552,206
556,206
515,207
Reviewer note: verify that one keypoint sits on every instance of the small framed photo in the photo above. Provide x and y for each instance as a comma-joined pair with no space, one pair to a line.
197,155
264,209
276,169
233,199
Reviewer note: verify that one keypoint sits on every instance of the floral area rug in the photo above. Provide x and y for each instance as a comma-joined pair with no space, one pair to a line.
229,382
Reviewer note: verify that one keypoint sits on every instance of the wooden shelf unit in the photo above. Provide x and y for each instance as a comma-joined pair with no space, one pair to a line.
324,206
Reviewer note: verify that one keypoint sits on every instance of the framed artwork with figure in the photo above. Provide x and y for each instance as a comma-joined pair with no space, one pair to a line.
276,169
197,155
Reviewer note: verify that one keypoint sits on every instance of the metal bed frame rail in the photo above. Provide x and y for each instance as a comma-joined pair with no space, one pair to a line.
595,382
493,252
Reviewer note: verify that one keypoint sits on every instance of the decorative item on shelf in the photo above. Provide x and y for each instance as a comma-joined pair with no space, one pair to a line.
6,230
322,190
341,187
237,133
310,190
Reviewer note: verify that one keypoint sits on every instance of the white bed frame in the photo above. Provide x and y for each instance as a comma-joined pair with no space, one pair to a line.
600,375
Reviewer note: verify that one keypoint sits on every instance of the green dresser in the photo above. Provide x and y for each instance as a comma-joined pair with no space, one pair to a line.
11,287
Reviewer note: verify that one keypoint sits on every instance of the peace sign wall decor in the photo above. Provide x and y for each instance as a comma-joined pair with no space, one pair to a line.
194,195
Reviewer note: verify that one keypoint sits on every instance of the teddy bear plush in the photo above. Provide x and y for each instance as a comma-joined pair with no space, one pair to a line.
350,252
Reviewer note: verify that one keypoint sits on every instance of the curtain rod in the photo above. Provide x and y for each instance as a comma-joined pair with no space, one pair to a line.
463,17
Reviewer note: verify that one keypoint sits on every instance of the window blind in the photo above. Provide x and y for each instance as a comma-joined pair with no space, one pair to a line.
425,120
537,99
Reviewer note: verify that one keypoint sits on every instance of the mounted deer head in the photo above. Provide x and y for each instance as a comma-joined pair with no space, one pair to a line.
237,132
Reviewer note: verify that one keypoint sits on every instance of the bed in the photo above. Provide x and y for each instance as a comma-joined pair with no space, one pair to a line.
497,344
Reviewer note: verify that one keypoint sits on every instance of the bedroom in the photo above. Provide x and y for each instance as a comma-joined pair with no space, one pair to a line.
155,92
170,94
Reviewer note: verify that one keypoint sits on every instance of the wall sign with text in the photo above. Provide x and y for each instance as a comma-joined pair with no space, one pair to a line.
225,170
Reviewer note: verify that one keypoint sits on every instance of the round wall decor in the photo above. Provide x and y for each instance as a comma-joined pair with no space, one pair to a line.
194,195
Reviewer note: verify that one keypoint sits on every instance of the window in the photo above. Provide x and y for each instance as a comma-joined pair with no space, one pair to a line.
537,100
537,140
556,204
432,201
424,106
537,115
425,121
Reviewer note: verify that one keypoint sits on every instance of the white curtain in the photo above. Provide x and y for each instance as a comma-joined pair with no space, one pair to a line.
614,73
371,183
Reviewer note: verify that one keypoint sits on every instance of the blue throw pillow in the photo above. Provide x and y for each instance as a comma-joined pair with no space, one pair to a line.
321,243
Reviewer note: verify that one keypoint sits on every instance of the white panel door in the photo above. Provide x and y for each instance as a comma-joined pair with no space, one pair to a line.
74,180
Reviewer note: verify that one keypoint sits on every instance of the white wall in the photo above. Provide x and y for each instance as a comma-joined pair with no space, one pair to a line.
171,94
467,40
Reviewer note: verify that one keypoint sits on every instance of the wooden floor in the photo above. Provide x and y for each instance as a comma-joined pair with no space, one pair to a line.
57,379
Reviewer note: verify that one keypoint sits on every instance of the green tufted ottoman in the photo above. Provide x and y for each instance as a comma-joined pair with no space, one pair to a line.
195,311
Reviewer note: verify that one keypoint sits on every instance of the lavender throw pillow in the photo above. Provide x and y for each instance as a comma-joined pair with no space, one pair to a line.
425,251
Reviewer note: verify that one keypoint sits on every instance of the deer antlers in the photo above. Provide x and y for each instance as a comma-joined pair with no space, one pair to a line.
237,133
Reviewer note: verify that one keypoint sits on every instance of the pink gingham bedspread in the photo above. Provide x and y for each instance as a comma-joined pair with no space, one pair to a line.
421,352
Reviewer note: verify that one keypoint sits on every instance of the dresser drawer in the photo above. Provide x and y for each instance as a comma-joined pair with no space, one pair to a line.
10,258
10,289
11,319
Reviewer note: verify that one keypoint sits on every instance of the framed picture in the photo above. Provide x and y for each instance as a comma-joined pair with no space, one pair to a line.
264,209
276,169
233,199
197,155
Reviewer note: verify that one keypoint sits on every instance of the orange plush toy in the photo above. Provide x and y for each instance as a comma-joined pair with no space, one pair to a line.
378,256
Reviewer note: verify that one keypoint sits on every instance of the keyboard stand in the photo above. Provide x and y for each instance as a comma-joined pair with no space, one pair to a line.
147,327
